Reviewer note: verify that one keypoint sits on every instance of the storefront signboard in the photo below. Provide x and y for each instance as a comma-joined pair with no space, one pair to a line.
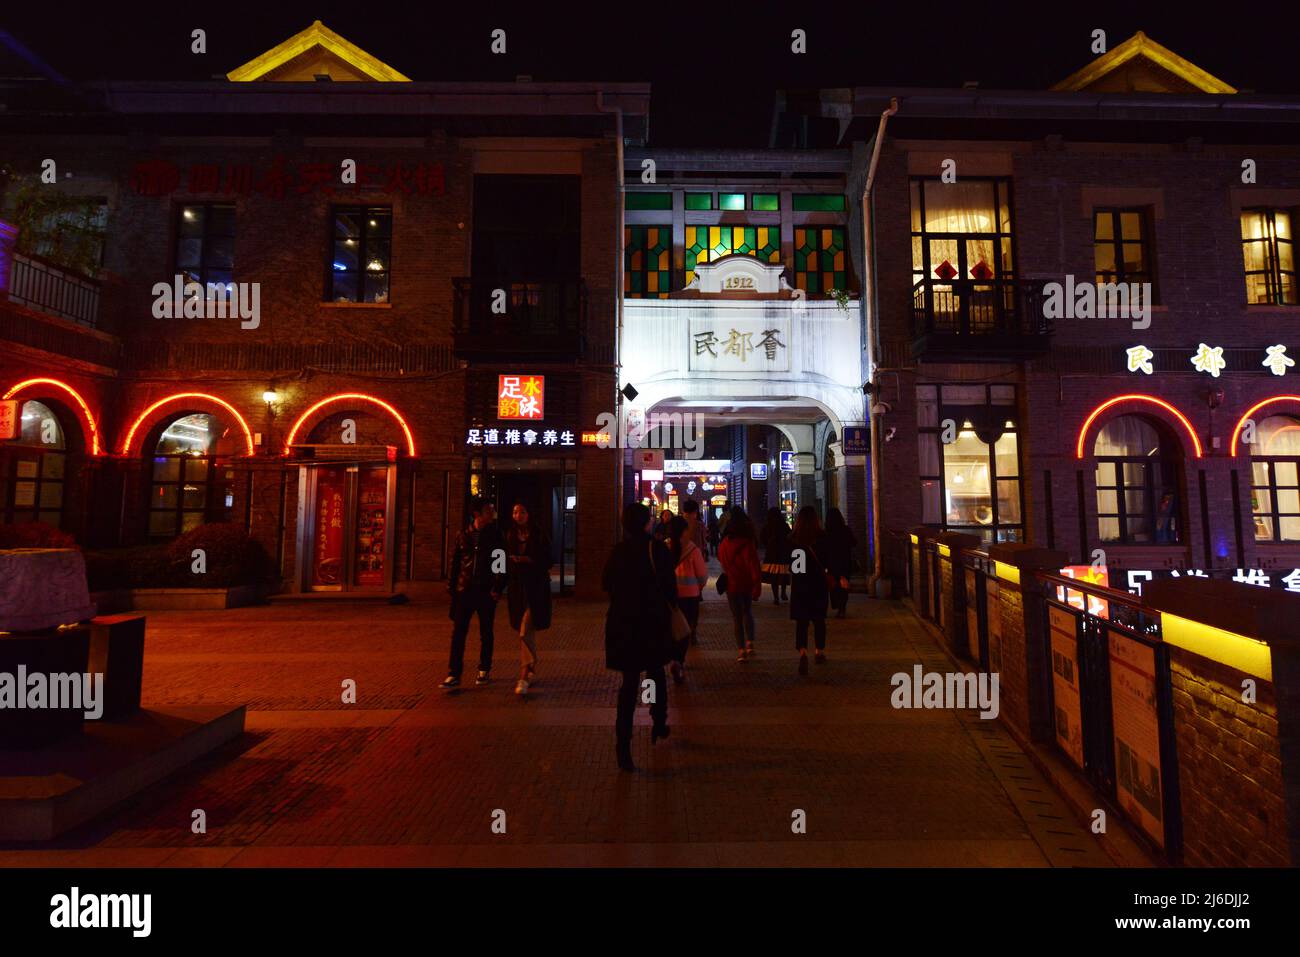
1137,733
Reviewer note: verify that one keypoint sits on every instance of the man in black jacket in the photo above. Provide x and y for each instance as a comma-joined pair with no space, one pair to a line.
477,579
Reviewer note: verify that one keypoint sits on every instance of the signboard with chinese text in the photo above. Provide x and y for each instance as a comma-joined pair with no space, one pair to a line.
159,177
788,463
758,471
521,438
1068,708
1137,733
520,396
327,549
759,346
372,511
855,440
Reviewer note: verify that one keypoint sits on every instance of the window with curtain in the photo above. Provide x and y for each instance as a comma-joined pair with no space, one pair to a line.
1275,479
961,231
971,484
1266,242
1137,483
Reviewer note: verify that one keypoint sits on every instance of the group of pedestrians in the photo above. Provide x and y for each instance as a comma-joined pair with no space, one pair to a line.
655,578
485,564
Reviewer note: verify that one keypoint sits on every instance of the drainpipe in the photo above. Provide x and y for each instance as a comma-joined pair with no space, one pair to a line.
872,302
618,305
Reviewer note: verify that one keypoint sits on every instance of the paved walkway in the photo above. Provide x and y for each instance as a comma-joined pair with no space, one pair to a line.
410,775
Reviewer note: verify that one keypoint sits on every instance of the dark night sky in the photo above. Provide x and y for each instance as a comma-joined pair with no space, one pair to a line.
713,66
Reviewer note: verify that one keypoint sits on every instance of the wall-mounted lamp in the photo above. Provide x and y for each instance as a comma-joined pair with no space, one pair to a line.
270,397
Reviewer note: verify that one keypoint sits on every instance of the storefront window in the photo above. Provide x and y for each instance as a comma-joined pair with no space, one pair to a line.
36,477
970,460
187,488
1275,480
1137,483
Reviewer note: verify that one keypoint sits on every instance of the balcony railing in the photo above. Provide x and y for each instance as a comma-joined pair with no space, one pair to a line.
44,287
531,318
988,318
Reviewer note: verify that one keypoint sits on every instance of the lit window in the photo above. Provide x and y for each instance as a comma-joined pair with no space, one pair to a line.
706,243
205,247
647,261
1275,480
1270,264
38,458
1122,246
185,491
361,251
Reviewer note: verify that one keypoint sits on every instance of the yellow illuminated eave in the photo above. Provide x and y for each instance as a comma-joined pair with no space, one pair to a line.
1008,573
1226,647
316,35
1142,45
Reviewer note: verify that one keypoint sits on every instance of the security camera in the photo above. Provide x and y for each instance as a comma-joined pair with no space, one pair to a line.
881,408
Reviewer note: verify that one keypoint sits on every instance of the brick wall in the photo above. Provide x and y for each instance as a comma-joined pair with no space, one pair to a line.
1229,766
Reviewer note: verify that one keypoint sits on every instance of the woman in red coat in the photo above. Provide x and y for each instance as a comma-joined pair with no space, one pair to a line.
738,555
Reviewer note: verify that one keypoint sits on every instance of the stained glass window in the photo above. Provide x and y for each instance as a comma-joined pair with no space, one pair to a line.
731,201
766,202
817,203
819,259
696,201
647,261
642,200
707,243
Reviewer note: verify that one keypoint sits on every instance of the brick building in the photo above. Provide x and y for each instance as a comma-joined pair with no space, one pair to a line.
427,274
1007,403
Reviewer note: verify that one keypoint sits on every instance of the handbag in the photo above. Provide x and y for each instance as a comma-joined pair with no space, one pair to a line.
721,584
678,627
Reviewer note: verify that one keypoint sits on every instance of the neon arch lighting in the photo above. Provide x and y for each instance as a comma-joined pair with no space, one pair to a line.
179,396
1241,423
76,396
1083,432
343,396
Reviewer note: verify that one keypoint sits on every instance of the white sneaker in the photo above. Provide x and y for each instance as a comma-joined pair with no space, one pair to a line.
522,686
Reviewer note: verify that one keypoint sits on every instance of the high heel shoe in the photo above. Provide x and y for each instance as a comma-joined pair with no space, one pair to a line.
624,751
659,731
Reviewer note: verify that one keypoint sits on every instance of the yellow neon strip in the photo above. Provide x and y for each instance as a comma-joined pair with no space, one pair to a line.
1007,572
1226,647
915,540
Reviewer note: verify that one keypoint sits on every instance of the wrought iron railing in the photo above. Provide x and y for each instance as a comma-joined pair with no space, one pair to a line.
975,307
44,287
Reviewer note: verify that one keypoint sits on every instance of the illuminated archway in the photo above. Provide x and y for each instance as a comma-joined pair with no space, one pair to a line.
1241,423
1135,397
76,397
181,397
351,396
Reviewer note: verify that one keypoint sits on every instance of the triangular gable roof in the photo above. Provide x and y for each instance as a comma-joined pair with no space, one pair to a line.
317,48
1135,53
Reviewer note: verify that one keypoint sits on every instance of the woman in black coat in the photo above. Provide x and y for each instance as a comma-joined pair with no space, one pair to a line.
528,591
642,584
839,559
809,592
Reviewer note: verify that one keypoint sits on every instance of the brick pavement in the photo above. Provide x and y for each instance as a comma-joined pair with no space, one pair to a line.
411,775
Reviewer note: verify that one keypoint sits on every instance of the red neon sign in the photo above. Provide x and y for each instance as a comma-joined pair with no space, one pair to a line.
179,396
76,397
358,396
1241,423
1083,432
520,396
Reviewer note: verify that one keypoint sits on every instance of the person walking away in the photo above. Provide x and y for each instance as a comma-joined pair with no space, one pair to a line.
642,588
840,542
475,589
738,555
695,527
692,576
528,592
714,534
808,586
661,527
776,553
723,519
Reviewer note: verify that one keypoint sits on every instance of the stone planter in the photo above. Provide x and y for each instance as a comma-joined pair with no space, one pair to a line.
196,599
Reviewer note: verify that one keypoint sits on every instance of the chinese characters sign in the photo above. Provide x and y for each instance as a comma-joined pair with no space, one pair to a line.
327,564
520,396
515,438
11,425
157,177
739,345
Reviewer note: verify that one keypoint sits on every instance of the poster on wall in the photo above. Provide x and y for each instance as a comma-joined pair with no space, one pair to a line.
372,512
995,625
11,423
1065,684
327,551
1137,733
